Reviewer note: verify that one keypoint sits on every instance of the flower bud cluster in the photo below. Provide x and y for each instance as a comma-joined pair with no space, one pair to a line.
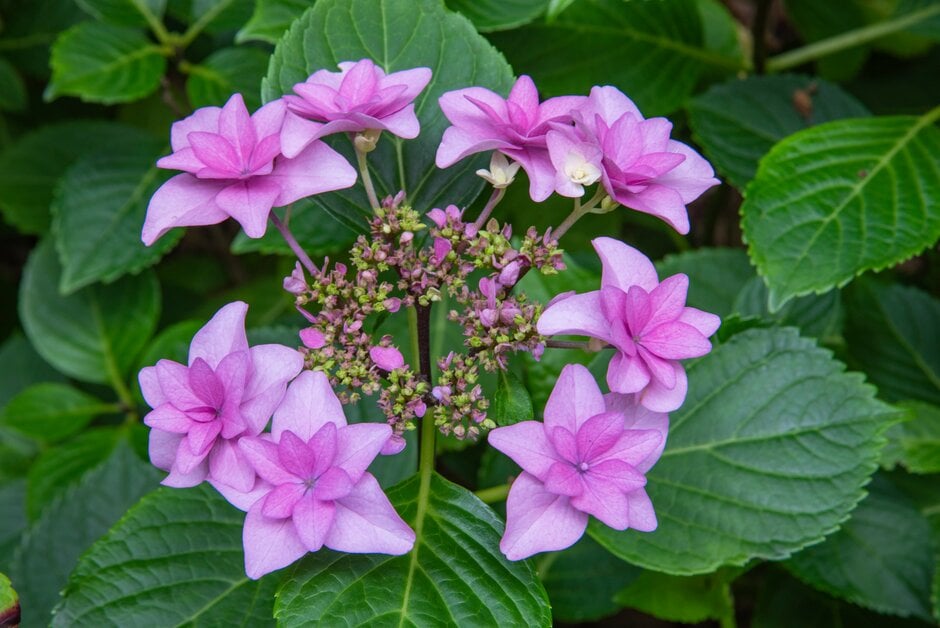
461,406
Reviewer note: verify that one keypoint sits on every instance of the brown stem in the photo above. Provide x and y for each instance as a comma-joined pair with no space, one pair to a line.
759,35
424,340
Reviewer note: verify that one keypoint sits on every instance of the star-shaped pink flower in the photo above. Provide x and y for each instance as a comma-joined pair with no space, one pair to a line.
313,488
516,126
233,167
360,97
645,321
589,457
637,162
227,391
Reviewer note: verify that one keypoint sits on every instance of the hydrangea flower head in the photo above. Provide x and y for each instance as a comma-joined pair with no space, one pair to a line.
200,410
313,487
360,97
589,457
639,165
645,321
516,126
233,168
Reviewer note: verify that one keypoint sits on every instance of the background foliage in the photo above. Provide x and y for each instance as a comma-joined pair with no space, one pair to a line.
800,482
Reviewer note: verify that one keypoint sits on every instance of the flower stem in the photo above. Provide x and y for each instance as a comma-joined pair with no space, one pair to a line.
579,211
493,494
495,198
413,333
293,244
199,25
848,39
366,177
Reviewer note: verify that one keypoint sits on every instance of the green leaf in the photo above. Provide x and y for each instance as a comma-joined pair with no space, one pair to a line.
581,581
783,602
819,316
715,276
103,63
455,574
511,403
94,334
52,412
124,12
685,599
12,518
270,19
318,232
30,27
915,443
226,72
98,210
30,168
12,90
174,559
397,35
20,367
498,15
892,332
879,559
738,122
58,468
840,198
221,16
767,455
49,550
654,51
16,453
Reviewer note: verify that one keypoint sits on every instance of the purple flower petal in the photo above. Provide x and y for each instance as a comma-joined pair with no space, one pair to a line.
274,366
667,300
618,474
538,521
565,444
309,403
323,445
603,500
332,485
227,465
624,266
280,502
575,399
577,314
183,201
262,455
316,169
366,522
526,443
249,202
640,511
312,521
295,456
563,478
270,544
357,446
203,119
168,418
627,374
242,500
162,448
598,434
707,324
222,335
658,398
676,341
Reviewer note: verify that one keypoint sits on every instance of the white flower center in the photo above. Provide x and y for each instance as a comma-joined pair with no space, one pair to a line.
581,171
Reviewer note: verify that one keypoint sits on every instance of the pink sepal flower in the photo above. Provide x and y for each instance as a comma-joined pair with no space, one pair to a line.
233,168
516,126
314,490
387,358
359,97
641,167
227,391
589,457
646,321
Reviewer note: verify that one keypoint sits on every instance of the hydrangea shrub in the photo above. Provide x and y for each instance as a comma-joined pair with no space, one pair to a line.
458,382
